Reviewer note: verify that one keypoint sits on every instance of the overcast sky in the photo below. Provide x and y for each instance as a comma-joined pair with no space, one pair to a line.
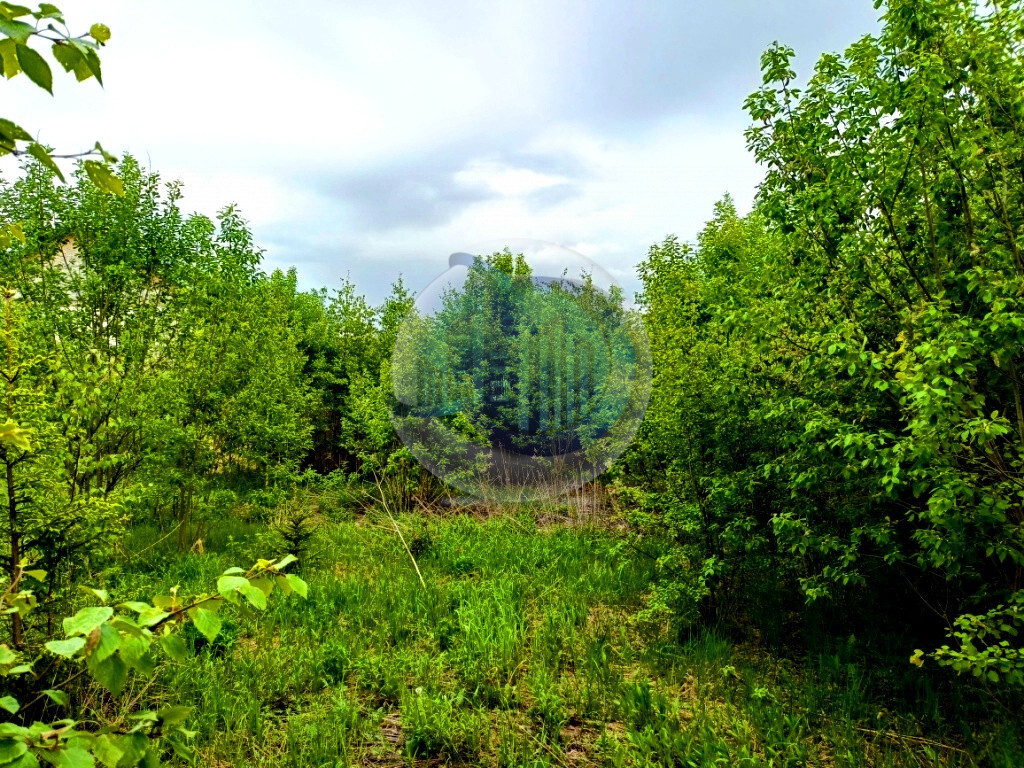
372,139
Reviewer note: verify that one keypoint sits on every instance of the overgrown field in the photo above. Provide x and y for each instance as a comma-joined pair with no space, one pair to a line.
518,649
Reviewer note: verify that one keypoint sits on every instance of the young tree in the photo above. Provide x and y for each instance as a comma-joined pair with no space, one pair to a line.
897,176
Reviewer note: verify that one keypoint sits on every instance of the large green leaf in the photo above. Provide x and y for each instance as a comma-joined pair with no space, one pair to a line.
13,132
254,595
66,648
58,697
16,30
135,652
91,58
298,585
109,643
104,178
72,59
229,585
35,66
111,673
27,760
40,154
208,623
174,647
106,750
87,619
11,749
9,55
74,757
173,715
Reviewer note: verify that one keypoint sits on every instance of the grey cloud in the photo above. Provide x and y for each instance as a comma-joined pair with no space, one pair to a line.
423,190
639,61
417,193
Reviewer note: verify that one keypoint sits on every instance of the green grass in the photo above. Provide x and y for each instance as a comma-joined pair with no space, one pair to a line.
519,651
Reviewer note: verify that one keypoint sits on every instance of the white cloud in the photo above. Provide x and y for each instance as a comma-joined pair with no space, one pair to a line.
506,180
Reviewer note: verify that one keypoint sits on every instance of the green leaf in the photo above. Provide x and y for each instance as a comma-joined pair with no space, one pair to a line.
49,11
9,54
12,731
264,584
173,715
16,30
37,574
13,11
100,33
151,616
40,154
109,642
68,56
208,623
66,648
101,594
298,585
92,60
13,230
137,606
72,59
35,67
166,602
283,585
12,132
111,673
228,585
107,157
87,619
58,697
255,596
104,178
10,704
27,760
74,757
11,749
285,561
182,750
106,751
135,653
174,647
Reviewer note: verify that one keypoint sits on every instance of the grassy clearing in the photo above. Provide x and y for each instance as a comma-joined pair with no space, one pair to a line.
519,651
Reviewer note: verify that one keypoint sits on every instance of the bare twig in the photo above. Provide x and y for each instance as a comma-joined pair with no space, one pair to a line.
915,739
387,509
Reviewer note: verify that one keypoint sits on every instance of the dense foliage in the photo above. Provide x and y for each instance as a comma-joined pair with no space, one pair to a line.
838,394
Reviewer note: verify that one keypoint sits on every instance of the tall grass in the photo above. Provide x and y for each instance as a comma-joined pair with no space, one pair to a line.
514,646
